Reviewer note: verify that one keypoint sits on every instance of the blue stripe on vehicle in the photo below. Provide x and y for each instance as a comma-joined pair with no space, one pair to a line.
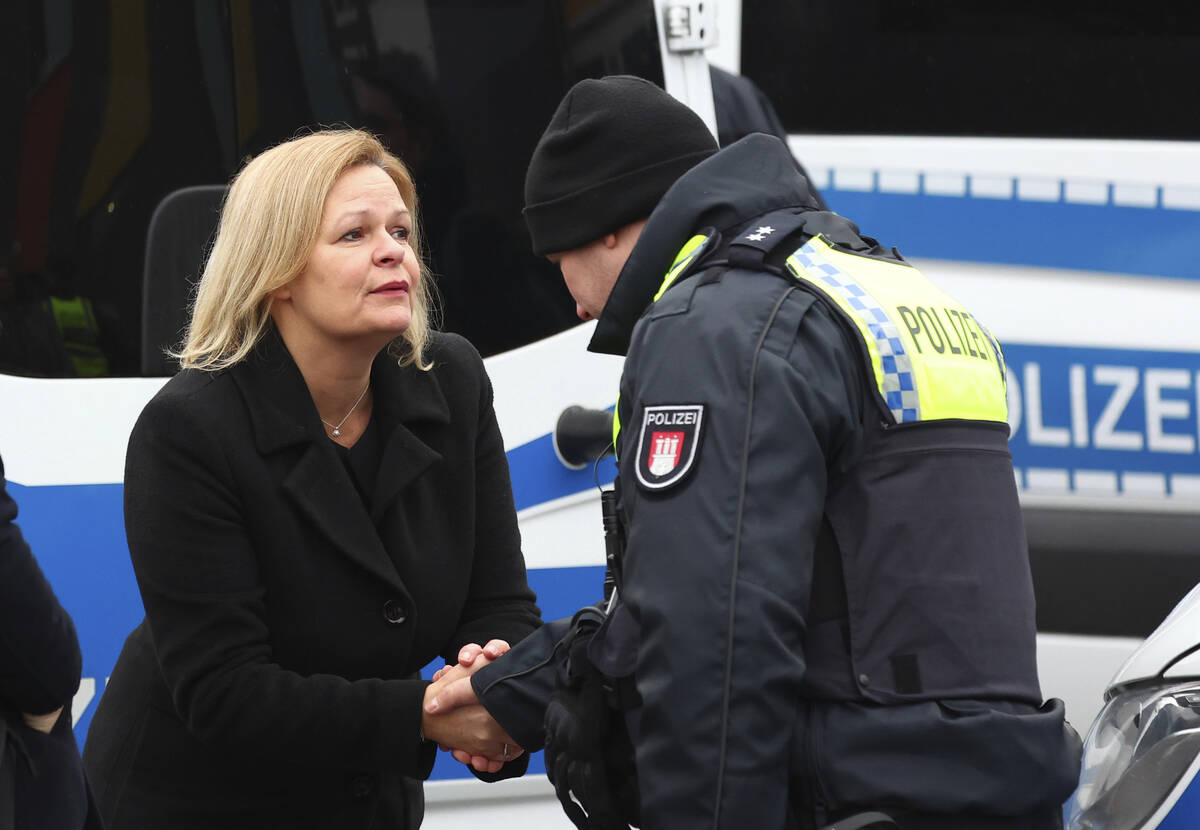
1153,241
77,533
538,476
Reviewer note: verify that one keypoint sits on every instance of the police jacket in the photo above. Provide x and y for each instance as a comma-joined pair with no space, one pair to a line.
811,610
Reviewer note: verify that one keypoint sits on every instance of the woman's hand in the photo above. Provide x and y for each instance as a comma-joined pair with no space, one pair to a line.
43,723
474,737
471,734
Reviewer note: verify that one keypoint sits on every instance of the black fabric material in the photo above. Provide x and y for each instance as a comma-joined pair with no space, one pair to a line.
40,665
362,462
274,680
7,779
985,757
589,758
966,600
610,152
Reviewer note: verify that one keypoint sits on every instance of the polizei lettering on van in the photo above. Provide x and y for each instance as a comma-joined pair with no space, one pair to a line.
1105,421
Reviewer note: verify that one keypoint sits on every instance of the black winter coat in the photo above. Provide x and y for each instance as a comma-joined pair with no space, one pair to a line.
274,680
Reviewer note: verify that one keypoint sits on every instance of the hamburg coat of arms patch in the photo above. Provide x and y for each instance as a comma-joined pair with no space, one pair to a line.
668,444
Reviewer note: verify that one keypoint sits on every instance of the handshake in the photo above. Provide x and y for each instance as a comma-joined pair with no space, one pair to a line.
453,717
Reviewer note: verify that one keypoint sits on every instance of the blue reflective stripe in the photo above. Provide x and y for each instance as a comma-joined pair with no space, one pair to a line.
995,350
898,383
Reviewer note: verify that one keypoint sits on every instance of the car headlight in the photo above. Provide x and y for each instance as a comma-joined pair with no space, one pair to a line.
1142,752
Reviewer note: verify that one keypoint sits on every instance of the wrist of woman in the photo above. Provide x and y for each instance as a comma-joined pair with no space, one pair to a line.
426,729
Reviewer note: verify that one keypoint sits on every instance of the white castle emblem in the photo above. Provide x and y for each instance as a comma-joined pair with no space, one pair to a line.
664,455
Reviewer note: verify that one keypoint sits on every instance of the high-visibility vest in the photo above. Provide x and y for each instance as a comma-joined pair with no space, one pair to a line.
80,334
932,359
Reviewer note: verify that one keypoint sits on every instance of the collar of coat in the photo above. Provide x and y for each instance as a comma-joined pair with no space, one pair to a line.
282,412
747,179
409,408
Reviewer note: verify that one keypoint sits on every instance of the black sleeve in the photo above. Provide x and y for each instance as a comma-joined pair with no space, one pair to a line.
40,661
500,604
516,688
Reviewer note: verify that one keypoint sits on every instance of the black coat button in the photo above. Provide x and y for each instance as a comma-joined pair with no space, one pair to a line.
393,612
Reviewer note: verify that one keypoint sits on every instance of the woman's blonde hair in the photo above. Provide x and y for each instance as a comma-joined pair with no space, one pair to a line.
268,228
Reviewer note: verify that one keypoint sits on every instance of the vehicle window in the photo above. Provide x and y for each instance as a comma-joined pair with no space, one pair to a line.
107,108
990,67
116,109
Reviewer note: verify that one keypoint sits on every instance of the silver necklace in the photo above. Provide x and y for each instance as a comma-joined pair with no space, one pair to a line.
337,430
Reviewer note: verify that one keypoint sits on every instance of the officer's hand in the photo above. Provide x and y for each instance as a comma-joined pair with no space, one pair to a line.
468,654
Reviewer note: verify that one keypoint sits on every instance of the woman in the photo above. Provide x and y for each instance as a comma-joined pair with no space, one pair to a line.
316,506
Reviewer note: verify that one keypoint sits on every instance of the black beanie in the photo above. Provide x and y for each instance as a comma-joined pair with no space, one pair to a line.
612,149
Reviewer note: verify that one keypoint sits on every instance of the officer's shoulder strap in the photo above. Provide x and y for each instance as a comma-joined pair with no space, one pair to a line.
766,242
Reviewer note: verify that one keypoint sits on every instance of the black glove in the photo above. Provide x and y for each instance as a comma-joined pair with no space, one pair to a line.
589,758
575,757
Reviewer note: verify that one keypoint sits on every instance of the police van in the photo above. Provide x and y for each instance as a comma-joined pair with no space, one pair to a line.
1041,165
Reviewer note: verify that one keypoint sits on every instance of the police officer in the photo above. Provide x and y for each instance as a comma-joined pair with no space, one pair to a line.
825,609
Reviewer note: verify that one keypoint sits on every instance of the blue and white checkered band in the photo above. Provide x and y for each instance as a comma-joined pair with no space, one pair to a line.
898,384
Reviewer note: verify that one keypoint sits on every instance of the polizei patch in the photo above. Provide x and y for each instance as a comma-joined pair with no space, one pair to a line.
668,444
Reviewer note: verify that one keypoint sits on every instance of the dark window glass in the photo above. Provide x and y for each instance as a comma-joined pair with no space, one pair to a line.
111,109
107,108
987,67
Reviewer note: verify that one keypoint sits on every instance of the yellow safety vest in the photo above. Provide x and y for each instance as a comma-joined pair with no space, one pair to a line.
80,334
932,359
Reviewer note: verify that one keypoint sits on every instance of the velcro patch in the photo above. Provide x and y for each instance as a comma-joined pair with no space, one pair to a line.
669,444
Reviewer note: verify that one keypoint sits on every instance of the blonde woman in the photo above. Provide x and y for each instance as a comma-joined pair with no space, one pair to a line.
317,505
